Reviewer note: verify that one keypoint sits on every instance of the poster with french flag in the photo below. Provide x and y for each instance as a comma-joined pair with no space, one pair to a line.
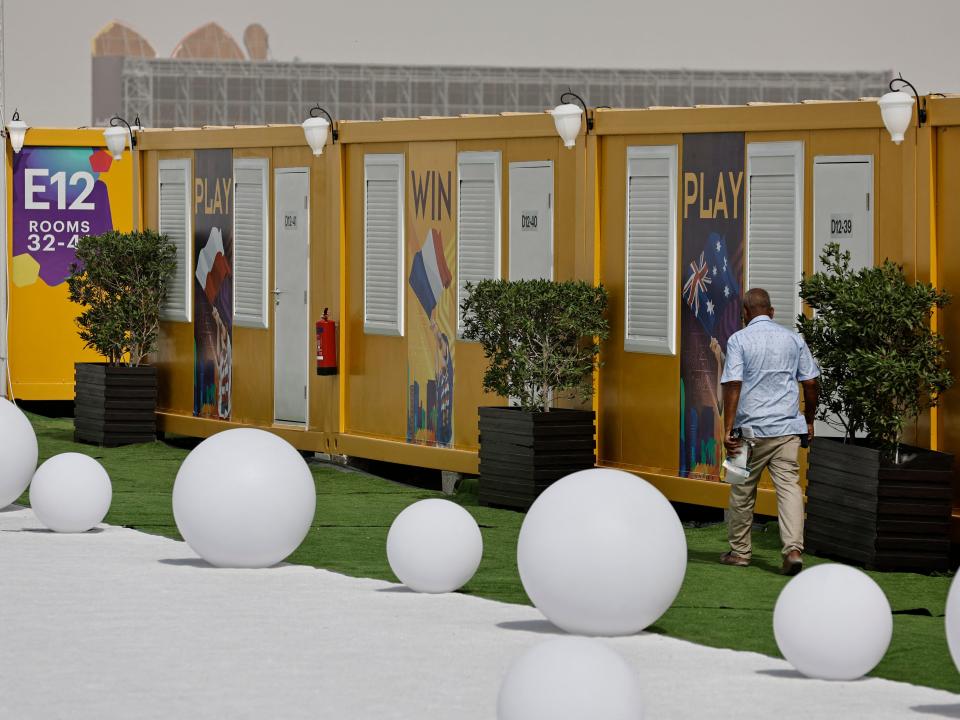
213,285
431,293
430,275
212,266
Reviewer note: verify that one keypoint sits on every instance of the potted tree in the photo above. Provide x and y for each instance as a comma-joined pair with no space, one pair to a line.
120,279
872,499
542,342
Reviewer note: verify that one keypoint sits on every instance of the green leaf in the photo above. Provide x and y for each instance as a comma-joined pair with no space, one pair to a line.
540,338
120,279
870,333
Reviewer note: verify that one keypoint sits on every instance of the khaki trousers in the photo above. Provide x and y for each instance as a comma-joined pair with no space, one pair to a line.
780,455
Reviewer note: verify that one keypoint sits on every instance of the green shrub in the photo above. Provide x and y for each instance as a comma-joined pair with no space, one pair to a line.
121,279
881,364
541,338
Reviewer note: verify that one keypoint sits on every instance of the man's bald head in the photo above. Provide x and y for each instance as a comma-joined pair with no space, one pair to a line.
755,303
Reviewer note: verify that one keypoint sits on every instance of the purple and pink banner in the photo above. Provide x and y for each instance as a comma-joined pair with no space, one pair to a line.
58,197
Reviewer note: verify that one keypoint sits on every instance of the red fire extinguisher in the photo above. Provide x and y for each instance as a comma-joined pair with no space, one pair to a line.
326,346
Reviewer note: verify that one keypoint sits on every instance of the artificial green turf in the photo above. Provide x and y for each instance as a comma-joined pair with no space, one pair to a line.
718,605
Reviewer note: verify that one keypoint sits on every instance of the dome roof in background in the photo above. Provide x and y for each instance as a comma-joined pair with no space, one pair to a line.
208,42
117,39
257,42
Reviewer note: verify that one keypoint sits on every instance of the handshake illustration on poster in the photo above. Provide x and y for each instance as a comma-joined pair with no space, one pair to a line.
737,467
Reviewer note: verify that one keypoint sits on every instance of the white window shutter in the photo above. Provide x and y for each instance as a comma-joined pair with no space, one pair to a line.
775,225
650,267
174,221
478,222
250,242
383,245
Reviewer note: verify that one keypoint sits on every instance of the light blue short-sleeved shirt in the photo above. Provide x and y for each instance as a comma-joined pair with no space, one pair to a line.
769,360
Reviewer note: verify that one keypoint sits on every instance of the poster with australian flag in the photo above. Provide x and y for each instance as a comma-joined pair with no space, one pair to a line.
711,288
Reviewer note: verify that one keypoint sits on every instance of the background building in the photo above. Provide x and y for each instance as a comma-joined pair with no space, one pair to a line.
210,80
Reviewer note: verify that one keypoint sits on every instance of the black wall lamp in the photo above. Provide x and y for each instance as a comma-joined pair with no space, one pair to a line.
315,129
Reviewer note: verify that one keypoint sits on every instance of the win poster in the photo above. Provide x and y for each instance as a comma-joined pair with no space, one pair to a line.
213,284
712,278
431,298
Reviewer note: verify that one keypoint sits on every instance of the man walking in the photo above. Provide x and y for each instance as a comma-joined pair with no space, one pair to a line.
764,363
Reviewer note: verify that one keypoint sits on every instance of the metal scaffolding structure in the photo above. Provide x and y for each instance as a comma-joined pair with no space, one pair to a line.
169,93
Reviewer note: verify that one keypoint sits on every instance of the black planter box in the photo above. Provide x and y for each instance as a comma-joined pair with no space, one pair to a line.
114,405
864,510
522,453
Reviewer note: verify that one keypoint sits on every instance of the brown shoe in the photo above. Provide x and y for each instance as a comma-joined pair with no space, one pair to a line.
731,558
792,562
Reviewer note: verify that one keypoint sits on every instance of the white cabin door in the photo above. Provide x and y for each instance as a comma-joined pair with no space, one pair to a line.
531,221
290,295
842,213
843,207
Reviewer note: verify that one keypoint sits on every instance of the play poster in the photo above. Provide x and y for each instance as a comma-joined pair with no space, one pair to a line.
213,284
431,298
712,278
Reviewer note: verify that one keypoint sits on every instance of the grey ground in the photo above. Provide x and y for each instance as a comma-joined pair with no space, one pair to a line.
119,624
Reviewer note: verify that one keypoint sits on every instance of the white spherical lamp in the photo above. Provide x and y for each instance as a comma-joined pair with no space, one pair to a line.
70,493
18,452
833,622
244,498
434,546
566,118
602,552
570,678
896,109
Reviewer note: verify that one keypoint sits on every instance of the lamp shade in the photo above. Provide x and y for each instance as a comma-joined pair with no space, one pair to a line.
17,130
896,108
567,119
116,137
315,129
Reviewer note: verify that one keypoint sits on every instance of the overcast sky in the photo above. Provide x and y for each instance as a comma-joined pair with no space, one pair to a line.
47,42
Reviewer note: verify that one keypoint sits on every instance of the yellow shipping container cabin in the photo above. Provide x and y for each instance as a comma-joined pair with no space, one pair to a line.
664,206
61,185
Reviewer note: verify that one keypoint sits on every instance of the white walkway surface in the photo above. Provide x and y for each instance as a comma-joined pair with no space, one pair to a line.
119,624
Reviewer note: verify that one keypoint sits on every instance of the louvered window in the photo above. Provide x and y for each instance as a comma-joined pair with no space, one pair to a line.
383,245
775,225
478,222
651,250
174,221
250,242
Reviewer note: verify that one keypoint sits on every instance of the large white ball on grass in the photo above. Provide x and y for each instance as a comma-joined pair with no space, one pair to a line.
953,621
18,452
570,678
70,493
602,552
434,546
833,622
244,498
